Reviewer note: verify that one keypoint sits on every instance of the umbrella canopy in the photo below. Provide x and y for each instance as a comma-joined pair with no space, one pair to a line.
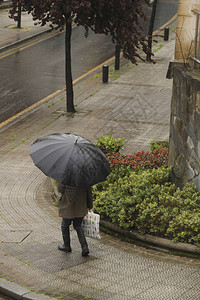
70,159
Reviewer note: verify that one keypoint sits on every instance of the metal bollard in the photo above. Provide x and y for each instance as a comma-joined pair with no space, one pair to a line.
166,33
105,73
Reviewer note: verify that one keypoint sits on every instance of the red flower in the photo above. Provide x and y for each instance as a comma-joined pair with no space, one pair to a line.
149,160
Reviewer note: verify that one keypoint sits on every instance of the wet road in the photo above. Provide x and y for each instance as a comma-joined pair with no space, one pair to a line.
38,71
34,73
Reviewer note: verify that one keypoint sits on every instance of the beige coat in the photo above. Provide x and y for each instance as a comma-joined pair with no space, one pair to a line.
74,202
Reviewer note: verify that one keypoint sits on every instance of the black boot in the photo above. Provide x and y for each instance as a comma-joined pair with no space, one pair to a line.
82,240
66,238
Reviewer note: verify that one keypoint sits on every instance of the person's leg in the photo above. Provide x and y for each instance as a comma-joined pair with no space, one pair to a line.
66,235
77,222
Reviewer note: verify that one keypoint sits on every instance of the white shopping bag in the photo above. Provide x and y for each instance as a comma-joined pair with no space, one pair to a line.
91,225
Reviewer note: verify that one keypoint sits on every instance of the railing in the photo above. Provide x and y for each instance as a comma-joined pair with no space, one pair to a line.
196,57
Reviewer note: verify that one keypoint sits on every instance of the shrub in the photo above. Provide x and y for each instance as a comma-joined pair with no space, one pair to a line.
108,144
185,227
149,202
105,203
159,144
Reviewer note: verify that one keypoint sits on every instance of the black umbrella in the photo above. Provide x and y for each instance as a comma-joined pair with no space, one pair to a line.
70,159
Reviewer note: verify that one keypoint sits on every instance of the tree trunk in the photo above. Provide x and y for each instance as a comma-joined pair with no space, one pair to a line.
19,15
68,69
151,26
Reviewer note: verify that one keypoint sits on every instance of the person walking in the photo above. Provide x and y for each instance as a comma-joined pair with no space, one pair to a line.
73,206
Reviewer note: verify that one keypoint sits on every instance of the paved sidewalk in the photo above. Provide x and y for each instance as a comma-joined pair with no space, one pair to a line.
137,106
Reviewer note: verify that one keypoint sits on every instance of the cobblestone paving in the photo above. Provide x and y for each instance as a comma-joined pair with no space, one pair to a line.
29,226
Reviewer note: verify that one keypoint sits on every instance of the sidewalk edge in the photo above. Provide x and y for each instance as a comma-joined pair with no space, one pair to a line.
16,291
21,41
146,240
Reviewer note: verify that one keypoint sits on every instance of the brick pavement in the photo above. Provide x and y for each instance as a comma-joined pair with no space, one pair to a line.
29,225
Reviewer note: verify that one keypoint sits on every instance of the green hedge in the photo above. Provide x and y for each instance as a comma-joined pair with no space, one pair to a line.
159,144
149,202
109,144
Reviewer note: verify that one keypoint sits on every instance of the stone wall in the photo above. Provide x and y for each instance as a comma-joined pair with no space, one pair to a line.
184,147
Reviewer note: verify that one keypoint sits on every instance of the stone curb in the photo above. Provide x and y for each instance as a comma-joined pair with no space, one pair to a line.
149,240
16,291
21,41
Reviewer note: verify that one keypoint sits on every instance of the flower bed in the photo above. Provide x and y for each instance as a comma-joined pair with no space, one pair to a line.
139,160
149,202
140,195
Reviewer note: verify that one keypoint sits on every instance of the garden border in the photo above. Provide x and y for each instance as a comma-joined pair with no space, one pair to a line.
150,241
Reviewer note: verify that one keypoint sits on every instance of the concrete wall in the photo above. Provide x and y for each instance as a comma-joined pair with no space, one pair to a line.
184,147
185,30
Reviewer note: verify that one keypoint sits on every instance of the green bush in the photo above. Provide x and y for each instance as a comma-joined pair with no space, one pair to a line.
185,227
159,144
149,202
108,144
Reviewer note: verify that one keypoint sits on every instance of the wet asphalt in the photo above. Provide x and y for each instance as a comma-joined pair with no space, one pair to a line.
33,73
